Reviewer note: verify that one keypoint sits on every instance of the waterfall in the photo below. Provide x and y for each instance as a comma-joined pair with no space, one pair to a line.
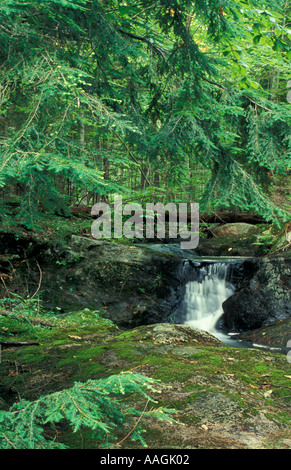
204,297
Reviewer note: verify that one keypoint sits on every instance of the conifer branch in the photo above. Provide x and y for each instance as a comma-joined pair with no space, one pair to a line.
94,404
149,42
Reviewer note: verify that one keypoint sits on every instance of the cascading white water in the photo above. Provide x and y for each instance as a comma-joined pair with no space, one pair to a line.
204,297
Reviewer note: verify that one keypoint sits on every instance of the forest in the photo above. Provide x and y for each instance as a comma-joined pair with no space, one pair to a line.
154,101
167,101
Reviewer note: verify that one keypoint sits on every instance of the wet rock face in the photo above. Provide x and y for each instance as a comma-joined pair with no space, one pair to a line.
275,336
264,297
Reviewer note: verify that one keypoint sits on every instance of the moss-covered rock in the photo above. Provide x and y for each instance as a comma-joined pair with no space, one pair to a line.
224,397
245,245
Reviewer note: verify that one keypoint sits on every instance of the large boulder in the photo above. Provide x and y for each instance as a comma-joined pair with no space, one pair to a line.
237,229
264,296
130,285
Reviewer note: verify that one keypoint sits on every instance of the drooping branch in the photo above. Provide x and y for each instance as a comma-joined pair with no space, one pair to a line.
161,52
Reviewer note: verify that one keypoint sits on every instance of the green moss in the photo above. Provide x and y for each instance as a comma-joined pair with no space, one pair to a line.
169,371
76,351
81,355
280,417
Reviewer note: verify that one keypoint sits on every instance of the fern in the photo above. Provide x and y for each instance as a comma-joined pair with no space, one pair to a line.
95,404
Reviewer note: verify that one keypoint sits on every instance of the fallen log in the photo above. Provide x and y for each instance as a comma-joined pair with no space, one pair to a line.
12,344
232,217
222,216
214,217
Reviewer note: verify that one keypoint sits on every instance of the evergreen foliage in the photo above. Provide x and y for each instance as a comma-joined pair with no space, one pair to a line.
168,100
95,404
96,93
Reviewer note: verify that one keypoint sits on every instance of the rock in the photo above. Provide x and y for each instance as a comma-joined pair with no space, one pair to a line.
237,229
136,285
272,336
131,285
263,298
212,407
229,246
166,333
84,243
220,397
3,404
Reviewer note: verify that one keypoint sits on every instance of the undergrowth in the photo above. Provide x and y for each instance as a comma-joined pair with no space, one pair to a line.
25,316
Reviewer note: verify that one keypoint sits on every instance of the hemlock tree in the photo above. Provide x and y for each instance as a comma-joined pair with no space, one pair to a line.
93,92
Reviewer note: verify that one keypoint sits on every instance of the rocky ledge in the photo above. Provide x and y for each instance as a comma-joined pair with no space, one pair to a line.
222,397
